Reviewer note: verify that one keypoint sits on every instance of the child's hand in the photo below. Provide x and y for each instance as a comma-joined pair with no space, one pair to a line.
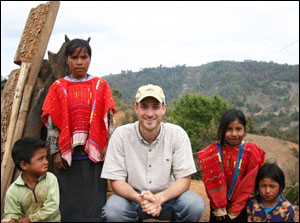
59,162
25,219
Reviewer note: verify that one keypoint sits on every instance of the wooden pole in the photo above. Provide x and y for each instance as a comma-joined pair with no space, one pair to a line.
7,160
32,47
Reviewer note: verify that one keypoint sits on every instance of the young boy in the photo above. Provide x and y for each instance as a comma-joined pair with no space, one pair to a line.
34,196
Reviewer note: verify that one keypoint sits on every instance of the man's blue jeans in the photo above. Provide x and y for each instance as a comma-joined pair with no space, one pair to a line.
188,207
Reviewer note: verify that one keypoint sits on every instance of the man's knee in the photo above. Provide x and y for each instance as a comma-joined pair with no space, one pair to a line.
118,209
192,205
197,206
109,212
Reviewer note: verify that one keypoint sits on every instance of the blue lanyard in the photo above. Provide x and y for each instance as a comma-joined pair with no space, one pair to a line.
237,167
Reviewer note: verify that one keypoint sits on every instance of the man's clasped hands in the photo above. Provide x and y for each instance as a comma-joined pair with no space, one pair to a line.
151,203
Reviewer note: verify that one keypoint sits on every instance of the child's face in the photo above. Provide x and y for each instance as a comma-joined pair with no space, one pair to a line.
79,63
269,190
39,163
235,133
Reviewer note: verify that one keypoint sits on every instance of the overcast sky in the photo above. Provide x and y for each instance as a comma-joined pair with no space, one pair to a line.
137,35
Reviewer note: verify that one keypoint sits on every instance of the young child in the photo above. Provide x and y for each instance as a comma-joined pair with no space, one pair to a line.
268,204
229,168
34,195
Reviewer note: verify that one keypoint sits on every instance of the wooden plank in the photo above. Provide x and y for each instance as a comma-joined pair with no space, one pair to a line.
7,99
31,50
7,160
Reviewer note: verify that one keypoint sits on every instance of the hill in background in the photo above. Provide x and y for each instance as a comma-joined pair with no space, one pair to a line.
285,153
266,92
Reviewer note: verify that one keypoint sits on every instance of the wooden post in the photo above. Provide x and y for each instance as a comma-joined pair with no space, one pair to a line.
7,98
13,118
30,53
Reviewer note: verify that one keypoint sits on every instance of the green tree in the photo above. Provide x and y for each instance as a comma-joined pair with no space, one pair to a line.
199,116
251,128
197,113
116,94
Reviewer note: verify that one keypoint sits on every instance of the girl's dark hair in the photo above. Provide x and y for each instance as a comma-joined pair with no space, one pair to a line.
227,117
24,149
78,43
273,171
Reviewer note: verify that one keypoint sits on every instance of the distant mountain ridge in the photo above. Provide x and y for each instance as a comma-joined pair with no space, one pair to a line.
267,92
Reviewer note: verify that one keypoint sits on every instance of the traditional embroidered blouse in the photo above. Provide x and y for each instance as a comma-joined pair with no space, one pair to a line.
229,175
79,109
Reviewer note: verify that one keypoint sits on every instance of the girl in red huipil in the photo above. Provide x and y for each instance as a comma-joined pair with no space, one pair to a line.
78,112
229,168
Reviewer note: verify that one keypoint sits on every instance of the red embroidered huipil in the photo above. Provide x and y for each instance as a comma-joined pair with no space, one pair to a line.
79,109
218,173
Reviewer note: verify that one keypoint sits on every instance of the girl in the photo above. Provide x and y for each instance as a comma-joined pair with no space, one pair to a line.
78,111
268,204
229,168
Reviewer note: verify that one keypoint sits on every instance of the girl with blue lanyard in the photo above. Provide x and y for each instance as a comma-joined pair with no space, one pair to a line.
229,168
269,205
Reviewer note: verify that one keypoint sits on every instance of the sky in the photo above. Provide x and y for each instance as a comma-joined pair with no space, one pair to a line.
136,35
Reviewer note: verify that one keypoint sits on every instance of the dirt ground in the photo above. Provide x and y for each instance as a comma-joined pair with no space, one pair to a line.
198,187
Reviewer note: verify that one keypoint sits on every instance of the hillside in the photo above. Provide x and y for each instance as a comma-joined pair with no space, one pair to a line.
267,92
285,153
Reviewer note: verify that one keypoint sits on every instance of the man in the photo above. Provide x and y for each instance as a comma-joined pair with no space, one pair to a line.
150,164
